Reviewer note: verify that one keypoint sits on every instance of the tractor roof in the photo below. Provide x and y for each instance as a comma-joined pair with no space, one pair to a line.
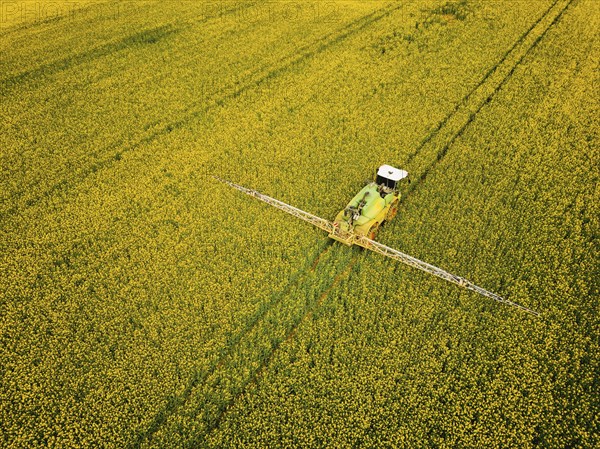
391,173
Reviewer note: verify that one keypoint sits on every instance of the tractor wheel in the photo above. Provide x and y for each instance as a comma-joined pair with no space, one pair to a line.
373,231
392,212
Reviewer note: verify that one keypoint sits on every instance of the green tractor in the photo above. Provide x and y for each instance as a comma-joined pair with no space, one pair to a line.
376,203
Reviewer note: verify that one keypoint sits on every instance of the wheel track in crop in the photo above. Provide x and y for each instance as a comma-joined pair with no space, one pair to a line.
257,78
50,68
342,273
467,97
199,439
467,109
198,378
153,35
15,29
135,39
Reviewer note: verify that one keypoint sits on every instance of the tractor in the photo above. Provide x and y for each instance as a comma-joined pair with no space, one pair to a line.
376,203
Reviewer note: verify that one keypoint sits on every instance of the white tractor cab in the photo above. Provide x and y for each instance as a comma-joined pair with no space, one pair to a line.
388,177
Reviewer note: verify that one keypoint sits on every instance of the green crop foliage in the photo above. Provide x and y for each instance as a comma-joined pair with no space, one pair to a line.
144,304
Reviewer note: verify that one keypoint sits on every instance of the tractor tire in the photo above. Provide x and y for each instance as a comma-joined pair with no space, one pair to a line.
392,212
373,231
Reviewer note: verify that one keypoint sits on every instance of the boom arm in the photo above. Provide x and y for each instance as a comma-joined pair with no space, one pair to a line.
428,268
374,246
321,223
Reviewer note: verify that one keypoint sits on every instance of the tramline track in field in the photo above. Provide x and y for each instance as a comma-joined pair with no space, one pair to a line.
152,34
425,157
202,377
190,114
205,387
199,439
52,67
466,98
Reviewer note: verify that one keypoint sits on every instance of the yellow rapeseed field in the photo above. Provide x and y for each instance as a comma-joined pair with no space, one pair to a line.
145,304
